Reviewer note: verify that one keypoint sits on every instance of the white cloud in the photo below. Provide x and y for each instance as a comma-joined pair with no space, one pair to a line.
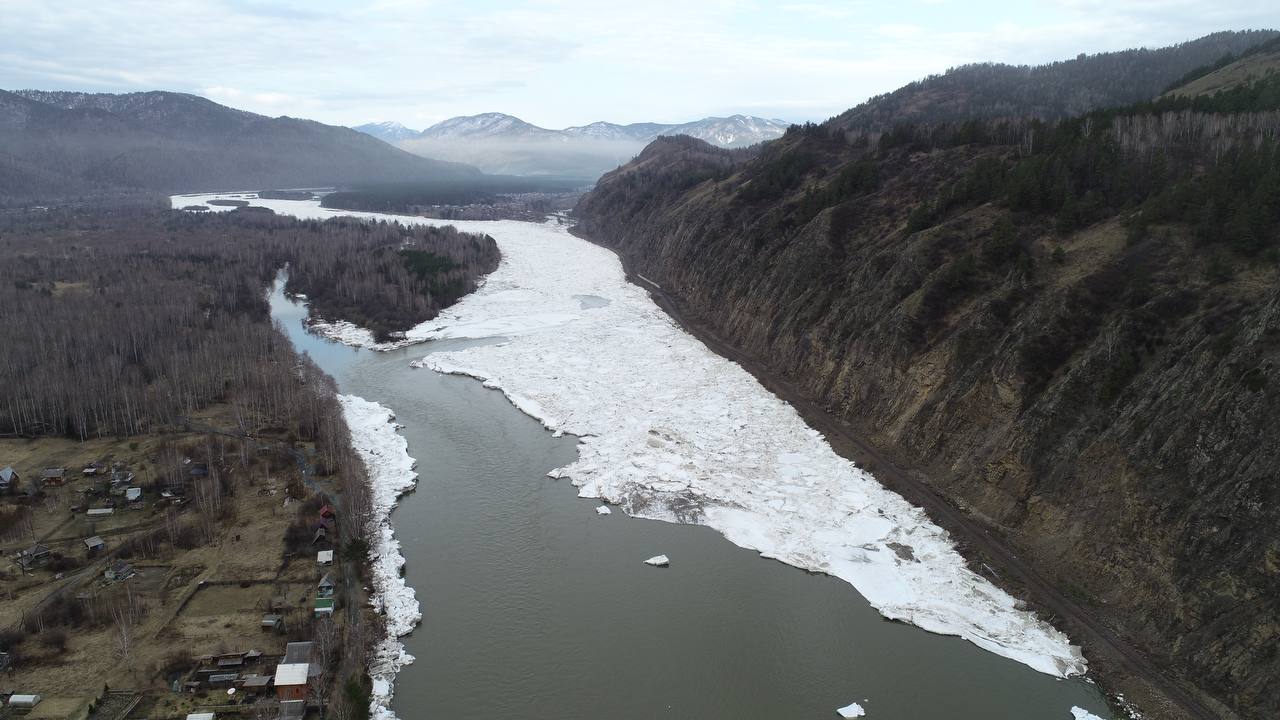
561,62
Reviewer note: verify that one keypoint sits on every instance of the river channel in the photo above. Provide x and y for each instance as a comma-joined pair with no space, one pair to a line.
536,607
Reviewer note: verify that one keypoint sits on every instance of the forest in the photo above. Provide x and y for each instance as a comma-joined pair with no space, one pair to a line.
146,315
1051,91
407,197
134,321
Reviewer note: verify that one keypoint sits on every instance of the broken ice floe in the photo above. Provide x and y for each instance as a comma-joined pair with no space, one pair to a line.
852,710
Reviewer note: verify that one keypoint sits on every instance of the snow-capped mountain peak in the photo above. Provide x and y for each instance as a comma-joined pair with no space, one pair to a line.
390,131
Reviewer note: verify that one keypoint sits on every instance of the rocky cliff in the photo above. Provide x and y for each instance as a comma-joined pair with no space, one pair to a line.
1037,323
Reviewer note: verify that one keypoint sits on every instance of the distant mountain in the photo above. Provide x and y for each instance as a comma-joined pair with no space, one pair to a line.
501,143
392,132
67,143
1056,90
485,125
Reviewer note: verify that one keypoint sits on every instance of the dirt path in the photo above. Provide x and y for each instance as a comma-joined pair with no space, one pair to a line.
1110,656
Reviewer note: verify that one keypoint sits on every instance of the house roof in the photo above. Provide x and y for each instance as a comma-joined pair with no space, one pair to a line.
326,581
94,541
291,674
200,716
8,474
53,472
297,652
251,681
324,556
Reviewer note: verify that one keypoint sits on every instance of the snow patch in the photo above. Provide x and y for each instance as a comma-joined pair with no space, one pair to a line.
603,510
391,472
1079,713
658,561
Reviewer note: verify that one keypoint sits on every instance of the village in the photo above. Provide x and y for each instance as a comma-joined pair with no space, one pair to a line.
191,574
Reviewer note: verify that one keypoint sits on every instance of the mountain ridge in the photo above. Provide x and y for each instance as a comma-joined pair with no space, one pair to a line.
504,144
67,143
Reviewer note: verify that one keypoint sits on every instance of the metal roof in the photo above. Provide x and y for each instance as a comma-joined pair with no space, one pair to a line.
297,652
292,674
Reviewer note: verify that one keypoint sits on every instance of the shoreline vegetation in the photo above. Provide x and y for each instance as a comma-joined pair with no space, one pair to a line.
205,467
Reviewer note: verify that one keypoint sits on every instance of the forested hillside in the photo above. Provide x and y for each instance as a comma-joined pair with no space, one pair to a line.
1052,91
60,145
1071,328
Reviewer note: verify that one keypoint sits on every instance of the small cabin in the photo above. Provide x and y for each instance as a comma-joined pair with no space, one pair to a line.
272,622
325,557
324,607
255,684
54,477
94,545
291,682
326,586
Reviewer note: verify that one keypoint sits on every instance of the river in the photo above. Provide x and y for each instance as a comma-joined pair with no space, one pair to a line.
536,606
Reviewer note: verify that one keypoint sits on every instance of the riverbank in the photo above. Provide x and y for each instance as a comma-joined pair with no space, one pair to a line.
391,474
1129,677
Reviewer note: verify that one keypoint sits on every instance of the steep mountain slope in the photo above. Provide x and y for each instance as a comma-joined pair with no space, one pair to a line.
500,143
1071,329
68,143
391,132
1055,90
1229,72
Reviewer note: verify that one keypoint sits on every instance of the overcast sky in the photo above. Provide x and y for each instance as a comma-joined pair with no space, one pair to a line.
562,62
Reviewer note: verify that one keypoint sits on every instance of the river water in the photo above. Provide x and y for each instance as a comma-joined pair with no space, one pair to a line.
535,606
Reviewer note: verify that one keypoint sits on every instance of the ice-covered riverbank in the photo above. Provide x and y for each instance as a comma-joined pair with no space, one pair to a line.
391,472
674,432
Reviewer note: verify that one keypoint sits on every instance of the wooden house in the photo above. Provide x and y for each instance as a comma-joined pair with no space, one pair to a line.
291,682
54,477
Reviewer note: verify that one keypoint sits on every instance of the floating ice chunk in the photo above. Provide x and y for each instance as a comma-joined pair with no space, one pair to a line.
603,510
852,710
658,561
1080,713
